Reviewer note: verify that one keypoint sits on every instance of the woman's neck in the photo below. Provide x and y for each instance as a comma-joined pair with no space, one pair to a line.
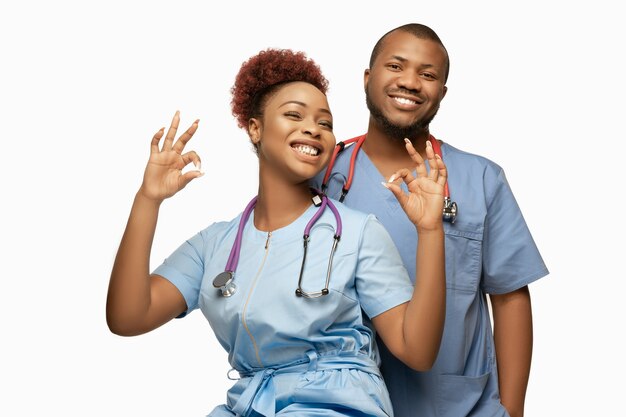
279,203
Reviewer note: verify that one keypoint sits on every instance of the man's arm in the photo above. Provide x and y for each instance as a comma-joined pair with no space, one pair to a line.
513,334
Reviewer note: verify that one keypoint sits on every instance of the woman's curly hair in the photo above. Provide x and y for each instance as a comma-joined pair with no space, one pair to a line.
263,73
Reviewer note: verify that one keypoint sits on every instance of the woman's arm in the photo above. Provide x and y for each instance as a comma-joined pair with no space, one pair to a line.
138,302
412,331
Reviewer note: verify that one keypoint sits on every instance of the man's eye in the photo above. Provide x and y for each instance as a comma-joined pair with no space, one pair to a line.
394,66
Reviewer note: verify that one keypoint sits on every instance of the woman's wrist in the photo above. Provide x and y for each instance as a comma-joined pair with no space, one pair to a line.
142,198
430,231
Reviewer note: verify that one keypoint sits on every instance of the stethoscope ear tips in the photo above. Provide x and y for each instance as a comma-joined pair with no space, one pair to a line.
300,293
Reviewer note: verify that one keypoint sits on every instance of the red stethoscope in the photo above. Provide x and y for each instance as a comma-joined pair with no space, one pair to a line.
450,208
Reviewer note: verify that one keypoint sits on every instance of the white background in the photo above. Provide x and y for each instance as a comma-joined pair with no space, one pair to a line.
536,86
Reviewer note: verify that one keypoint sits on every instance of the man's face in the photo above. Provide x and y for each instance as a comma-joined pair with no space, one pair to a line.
406,84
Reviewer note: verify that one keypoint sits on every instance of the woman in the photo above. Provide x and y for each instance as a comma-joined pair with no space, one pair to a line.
285,283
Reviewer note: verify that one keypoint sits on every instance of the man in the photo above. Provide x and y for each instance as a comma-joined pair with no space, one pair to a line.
489,249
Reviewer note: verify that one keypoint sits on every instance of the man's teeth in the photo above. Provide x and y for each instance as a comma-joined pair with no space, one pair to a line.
404,100
306,149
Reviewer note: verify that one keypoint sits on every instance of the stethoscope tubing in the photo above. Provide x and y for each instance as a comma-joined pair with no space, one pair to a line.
233,259
224,280
450,209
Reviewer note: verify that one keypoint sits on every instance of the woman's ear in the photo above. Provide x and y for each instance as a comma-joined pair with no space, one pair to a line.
254,130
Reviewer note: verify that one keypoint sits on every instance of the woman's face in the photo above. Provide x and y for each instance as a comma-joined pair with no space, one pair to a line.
294,137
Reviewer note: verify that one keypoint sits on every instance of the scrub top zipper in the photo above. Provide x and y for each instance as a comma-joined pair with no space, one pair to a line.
245,307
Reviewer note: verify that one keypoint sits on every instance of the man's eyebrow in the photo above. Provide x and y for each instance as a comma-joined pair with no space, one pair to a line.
403,59
399,58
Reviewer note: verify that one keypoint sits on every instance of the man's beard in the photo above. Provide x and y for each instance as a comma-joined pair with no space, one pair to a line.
394,131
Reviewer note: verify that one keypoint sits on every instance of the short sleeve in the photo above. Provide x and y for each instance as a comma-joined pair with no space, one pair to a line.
382,281
184,268
511,259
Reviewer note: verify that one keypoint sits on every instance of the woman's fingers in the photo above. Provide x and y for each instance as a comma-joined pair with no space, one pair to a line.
154,146
433,173
420,167
168,143
191,157
443,171
397,192
436,168
184,138
171,133
187,177
403,174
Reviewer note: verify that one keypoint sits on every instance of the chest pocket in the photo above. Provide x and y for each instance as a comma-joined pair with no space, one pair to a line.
464,246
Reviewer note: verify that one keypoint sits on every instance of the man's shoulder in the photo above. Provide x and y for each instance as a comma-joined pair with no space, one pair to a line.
452,152
460,161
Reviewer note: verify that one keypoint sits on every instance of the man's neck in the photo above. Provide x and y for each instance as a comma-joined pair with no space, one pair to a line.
389,154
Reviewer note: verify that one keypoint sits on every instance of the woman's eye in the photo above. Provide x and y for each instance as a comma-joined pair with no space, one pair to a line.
327,124
293,115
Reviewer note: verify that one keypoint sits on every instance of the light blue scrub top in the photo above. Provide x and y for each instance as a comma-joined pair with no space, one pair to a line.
297,355
489,249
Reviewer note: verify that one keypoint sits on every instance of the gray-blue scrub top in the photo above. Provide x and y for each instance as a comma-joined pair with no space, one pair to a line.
489,249
297,355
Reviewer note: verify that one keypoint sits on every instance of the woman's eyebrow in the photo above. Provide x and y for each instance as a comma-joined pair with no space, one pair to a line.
299,103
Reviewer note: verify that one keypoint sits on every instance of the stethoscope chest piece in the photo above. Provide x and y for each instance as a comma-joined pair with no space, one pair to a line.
224,281
450,210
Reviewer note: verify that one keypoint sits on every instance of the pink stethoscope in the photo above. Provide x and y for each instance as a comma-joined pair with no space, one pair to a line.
224,281
450,208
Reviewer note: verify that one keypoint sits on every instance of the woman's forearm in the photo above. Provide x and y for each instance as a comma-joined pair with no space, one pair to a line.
425,313
128,297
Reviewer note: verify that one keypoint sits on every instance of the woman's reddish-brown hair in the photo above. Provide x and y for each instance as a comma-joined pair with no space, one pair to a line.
263,73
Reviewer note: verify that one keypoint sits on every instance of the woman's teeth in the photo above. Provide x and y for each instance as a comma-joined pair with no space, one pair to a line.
306,149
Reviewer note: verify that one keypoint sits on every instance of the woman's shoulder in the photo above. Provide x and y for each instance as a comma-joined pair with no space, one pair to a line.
220,228
354,221
351,213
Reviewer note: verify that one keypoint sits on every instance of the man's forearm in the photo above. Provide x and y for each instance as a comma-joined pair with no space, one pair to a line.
513,333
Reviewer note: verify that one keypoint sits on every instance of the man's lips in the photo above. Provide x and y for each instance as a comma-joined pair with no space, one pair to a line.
405,99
